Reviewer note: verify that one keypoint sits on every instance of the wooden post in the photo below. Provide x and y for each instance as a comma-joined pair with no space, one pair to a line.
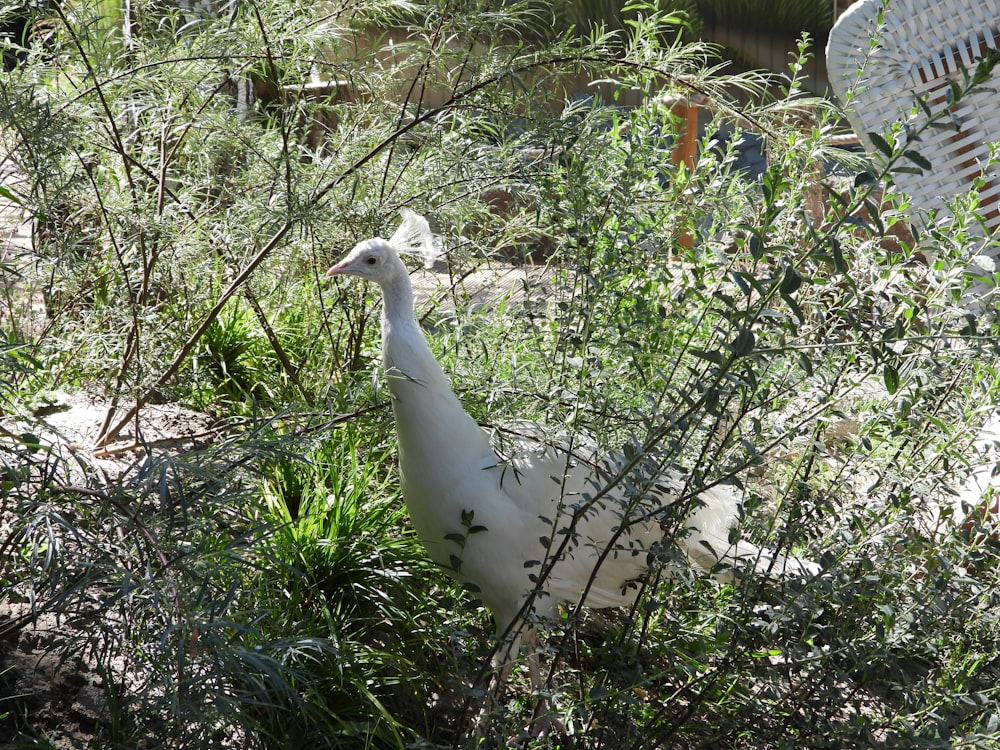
685,153
686,149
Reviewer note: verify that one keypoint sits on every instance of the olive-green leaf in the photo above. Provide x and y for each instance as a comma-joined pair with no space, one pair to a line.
890,375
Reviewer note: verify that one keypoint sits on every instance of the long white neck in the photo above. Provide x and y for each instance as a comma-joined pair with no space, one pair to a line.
431,424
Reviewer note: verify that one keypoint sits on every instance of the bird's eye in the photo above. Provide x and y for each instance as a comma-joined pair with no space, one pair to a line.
371,260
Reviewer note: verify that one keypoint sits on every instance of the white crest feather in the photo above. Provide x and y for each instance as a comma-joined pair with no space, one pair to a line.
414,237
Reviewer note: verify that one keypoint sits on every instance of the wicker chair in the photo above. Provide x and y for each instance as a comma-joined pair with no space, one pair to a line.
881,56
884,53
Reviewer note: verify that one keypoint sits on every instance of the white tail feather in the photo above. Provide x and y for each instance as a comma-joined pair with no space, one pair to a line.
708,541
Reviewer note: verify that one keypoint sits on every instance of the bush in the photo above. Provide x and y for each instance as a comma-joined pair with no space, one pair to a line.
263,590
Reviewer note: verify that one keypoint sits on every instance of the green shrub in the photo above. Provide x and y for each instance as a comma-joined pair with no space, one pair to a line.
264,591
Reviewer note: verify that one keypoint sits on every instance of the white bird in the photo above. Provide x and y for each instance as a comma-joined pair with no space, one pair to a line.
528,522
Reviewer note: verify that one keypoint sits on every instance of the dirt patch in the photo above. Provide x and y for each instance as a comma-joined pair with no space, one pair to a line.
45,692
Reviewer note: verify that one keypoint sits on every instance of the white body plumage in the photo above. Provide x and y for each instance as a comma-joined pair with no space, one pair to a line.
496,521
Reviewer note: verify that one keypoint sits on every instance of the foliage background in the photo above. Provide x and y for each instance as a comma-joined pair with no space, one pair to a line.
263,590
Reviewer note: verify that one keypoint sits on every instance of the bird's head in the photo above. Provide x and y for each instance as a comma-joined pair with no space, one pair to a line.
373,259
378,259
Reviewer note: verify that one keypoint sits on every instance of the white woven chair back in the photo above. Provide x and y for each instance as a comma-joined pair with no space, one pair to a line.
921,48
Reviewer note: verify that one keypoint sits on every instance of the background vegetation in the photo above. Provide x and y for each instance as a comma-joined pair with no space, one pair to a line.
264,590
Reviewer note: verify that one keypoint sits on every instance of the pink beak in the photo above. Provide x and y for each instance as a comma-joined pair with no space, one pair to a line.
337,269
